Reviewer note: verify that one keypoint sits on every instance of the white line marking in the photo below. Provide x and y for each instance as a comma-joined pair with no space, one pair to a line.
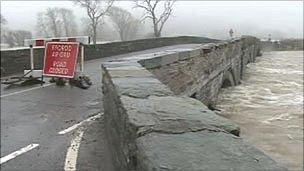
71,128
26,90
72,153
18,152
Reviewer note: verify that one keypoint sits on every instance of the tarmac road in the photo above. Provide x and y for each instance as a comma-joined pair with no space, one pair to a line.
57,128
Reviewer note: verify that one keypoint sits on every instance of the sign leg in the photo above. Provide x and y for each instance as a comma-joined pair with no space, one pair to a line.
32,57
82,58
41,80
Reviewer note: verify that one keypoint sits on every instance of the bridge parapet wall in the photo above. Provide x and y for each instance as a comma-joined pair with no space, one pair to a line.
148,127
14,61
201,76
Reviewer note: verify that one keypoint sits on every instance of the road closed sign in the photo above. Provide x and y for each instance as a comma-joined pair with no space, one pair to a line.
60,59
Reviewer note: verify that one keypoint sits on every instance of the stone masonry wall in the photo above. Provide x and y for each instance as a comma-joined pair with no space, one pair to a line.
15,61
202,75
149,128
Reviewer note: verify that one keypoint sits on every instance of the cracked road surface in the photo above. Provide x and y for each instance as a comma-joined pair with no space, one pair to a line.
32,118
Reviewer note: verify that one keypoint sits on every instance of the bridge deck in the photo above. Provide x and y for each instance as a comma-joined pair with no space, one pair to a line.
36,115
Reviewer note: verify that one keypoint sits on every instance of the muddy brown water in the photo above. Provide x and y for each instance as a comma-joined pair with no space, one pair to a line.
268,106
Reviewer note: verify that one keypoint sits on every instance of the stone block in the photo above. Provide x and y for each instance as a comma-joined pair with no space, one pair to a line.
130,73
169,58
194,53
238,39
183,55
119,64
198,151
140,87
151,63
206,49
212,45
176,115
221,45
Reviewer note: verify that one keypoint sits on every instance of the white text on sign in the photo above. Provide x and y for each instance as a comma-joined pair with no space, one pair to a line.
61,51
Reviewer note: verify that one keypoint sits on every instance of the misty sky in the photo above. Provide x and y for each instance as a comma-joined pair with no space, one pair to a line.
282,19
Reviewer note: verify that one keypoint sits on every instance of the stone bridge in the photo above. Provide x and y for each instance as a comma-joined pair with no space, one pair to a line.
156,105
157,109
208,68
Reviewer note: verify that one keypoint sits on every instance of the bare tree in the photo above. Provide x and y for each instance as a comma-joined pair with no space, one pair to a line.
56,22
42,25
96,9
53,20
68,21
3,21
151,7
104,30
125,24
15,38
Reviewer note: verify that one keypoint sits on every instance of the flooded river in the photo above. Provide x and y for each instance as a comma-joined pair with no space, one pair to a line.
268,106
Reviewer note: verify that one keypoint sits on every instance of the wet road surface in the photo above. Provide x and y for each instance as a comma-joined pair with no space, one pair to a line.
33,117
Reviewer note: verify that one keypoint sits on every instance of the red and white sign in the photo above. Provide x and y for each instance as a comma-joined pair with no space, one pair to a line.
60,59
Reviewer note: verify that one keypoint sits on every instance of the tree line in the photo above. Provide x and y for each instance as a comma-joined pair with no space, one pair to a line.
104,21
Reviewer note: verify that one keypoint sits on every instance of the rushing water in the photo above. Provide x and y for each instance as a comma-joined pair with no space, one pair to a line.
268,106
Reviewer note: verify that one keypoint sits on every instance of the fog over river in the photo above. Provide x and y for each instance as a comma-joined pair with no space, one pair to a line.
268,106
